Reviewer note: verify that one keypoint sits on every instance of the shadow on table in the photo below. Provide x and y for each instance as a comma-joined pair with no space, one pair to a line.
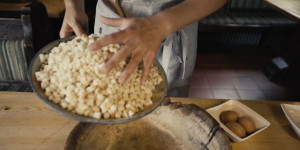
278,113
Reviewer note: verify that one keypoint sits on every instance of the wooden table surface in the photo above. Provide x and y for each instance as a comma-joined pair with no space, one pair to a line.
27,123
55,8
290,8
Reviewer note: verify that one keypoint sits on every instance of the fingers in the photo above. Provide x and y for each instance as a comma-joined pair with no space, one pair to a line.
64,34
77,29
65,31
148,60
118,37
133,63
114,22
115,60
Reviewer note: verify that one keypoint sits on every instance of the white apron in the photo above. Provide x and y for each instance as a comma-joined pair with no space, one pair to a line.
177,53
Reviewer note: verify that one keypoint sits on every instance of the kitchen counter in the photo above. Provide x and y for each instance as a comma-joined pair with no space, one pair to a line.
27,123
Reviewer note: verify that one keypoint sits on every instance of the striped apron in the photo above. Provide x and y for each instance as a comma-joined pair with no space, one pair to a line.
177,53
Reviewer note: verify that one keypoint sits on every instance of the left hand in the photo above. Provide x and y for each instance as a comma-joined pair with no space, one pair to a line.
141,37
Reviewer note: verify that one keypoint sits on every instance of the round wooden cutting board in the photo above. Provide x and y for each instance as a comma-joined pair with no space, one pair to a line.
172,126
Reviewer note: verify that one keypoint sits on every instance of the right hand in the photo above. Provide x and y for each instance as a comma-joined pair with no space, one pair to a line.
75,21
140,39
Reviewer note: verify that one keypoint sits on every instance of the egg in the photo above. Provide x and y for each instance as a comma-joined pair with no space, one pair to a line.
247,123
237,129
228,116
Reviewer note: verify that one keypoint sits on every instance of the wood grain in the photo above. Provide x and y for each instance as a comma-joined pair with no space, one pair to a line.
55,8
27,123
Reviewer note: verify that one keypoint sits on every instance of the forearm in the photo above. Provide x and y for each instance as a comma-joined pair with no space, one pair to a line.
186,13
75,4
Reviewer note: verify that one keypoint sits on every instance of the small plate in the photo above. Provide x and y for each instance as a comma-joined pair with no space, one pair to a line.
242,110
292,113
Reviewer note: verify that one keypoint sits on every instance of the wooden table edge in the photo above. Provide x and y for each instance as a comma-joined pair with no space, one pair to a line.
282,11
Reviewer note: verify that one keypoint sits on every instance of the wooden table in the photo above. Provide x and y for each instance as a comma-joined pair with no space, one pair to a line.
27,123
290,8
55,8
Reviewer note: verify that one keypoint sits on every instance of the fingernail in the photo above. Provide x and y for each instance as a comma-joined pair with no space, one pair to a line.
90,47
121,79
143,81
105,69
103,16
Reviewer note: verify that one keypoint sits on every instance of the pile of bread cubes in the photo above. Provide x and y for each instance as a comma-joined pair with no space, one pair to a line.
72,77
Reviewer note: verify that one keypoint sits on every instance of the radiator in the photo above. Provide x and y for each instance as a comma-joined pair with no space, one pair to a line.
16,88
13,64
256,4
229,38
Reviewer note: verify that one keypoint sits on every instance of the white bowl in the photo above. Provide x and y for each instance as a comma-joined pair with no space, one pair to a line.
292,113
242,110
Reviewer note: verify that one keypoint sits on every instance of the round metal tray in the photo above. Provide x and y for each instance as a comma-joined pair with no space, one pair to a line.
170,127
158,94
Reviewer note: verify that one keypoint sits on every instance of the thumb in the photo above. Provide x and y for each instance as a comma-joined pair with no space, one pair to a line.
78,29
114,22
65,31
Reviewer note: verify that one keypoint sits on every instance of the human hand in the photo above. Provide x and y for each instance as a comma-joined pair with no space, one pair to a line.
75,21
141,38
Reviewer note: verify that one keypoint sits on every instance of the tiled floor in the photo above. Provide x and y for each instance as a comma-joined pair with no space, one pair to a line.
237,77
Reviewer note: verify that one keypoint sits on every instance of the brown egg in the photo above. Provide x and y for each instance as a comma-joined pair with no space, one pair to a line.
236,128
247,123
228,116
